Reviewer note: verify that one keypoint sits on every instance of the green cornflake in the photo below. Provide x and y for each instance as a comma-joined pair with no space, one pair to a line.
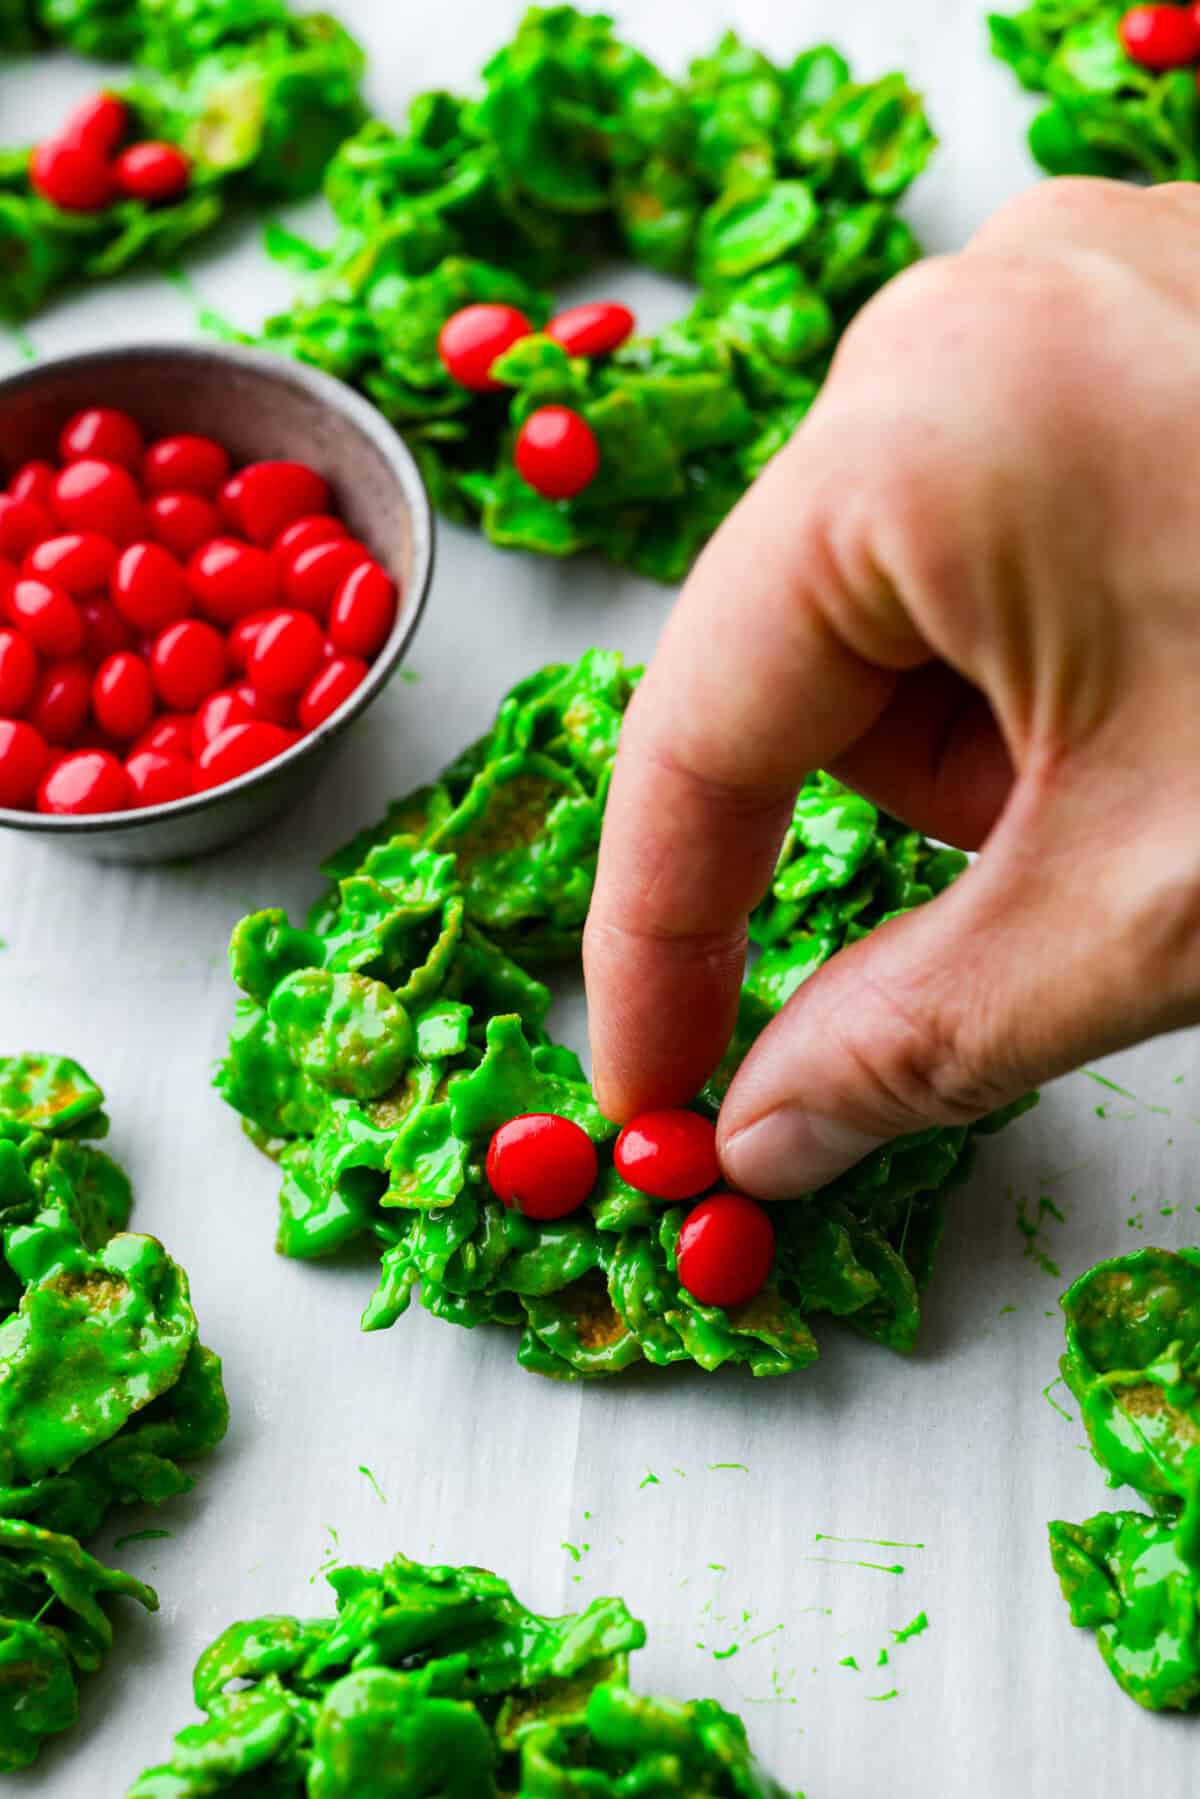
882,1659
919,1625
723,1655
848,1661
575,1554
256,96
650,1480
379,1045
774,187
443,1675
105,1390
372,1483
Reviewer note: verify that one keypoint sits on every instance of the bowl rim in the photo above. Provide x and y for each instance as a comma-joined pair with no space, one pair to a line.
329,391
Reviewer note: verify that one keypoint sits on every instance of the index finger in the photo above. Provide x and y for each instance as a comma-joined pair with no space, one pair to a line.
750,688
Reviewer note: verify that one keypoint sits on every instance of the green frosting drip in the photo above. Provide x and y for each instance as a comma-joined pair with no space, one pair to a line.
104,1390
380,1046
259,98
1106,115
1133,1364
774,187
438,1681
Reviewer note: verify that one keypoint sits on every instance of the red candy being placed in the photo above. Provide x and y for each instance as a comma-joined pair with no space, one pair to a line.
725,1249
103,432
97,123
112,694
185,464
556,452
669,1155
152,171
24,758
591,330
472,338
85,782
541,1165
1161,37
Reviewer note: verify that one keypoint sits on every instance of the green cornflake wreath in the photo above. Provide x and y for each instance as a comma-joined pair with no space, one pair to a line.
1107,114
378,1048
258,98
1133,1364
441,1676
772,188
105,1389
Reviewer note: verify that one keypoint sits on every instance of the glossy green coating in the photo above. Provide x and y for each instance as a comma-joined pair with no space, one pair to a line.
257,96
1106,115
385,1134
104,1389
772,186
438,1681
1133,1364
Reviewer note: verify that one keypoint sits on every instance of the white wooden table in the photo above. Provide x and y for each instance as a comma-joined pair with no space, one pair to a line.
728,1549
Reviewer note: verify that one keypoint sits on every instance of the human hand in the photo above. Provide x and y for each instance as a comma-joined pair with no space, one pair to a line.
969,587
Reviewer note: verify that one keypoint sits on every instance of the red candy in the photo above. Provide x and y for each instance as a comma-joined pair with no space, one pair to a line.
158,779
48,616
670,1154
1161,37
242,636
312,575
152,171
188,663
216,714
18,673
591,330
363,611
286,653
24,758
104,630
95,494
541,1165
329,688
182,522
61,700
230,579
556,452
80,561
85,782
185,464
169,735
472,338
149,588
239,749
274,708
103,432
97,124
318,527
72,176
34,481
123,696
23,522
725,1250
273,495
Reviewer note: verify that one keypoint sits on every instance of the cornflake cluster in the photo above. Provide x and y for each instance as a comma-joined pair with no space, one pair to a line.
1133,1364
442,1673
773,187
105,1389
379,1048
243,100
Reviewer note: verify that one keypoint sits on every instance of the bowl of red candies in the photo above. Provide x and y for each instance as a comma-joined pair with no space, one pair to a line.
211,561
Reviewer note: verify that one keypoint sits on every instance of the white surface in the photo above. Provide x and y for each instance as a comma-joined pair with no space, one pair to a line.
956,1449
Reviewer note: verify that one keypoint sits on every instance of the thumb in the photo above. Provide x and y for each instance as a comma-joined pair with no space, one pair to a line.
1036,959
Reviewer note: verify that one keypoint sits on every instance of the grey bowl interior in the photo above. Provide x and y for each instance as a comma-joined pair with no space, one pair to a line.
258,405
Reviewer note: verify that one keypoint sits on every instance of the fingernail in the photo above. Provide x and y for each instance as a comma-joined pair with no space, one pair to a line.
789,1153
